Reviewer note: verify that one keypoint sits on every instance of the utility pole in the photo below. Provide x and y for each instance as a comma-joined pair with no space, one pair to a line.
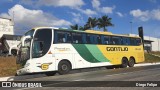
131,26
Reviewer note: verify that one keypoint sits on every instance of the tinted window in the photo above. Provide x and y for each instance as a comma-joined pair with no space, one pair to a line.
138,41
98,39
126,41
135,41
93,39
77,38
84,38
59,37
62,37
105,39
68,37
88,40
116,40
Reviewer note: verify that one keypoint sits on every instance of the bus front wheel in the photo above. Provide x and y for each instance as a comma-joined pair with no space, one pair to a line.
64,67
124,63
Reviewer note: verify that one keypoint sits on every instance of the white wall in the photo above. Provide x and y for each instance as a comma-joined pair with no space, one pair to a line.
6,27
156,44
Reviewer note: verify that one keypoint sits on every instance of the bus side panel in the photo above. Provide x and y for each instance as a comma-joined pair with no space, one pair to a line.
115,53
91,54
138,50
68,52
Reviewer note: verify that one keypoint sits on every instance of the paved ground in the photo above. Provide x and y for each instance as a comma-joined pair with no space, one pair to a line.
98,79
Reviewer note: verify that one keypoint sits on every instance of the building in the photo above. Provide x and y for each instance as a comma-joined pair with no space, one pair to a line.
150,43
6,26
9,43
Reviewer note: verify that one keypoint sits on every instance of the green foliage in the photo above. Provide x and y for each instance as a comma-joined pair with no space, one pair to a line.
74,27
92,22
102,22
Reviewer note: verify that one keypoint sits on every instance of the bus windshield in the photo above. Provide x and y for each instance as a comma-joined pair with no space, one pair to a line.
29,33
24,51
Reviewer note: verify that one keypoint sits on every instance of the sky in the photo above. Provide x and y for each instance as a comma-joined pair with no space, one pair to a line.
127,15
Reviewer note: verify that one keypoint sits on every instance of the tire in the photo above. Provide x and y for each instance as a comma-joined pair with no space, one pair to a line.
131,62
124,63
64,67
50,73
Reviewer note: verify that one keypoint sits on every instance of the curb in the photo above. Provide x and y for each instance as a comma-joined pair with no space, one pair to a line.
17,78
146,64
14,78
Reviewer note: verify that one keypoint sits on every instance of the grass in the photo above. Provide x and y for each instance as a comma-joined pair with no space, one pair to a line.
156,53
8,64
151,58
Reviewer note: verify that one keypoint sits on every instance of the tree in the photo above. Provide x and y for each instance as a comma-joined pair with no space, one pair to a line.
85,27
104,22
91,23
74,27
81,28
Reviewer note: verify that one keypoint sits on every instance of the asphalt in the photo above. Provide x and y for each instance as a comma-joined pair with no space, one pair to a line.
101,79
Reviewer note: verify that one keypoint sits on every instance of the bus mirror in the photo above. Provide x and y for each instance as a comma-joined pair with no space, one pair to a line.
25,39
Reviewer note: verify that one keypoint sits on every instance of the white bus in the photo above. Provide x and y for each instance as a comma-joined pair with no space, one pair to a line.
49,50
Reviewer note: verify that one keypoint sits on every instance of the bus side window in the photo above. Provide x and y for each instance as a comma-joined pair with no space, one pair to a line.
105,40
95,39
92,39
116,40
133,41
88,40
138,41
126,41
98,39
59,37
68,37
84,41
77,38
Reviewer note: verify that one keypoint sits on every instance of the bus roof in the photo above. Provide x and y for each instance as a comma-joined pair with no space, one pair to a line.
36,28
86,31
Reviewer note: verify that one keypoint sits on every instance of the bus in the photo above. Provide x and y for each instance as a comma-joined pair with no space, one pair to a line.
50,50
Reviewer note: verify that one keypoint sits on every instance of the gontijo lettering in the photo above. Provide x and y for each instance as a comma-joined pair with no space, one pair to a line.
117,48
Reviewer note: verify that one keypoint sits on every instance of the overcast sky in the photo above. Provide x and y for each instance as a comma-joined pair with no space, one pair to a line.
63,13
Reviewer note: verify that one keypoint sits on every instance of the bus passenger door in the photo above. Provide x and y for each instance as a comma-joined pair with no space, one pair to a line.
44,62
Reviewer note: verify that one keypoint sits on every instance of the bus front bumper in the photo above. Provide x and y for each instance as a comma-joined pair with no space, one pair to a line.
24,71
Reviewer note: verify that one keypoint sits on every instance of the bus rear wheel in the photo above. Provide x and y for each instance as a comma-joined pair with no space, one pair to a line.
124,63
131,62
64,67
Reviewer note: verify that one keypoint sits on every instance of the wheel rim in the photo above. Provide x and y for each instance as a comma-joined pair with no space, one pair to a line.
131,62
124,63
64,67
